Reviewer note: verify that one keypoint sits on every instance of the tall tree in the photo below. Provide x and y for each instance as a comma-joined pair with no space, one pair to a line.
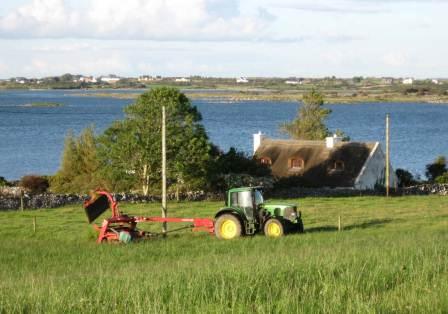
131,149
79,167
310,121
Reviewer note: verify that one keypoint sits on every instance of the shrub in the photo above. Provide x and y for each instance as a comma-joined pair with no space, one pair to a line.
34,184
443,179
3,182
239,180
405,178
293,181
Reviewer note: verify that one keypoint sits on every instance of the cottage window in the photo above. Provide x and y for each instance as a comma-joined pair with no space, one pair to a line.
296,163
266,161
338,165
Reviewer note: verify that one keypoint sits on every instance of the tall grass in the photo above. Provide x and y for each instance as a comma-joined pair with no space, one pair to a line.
392,257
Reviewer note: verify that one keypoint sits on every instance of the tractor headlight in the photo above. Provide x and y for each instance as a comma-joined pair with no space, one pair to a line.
291,214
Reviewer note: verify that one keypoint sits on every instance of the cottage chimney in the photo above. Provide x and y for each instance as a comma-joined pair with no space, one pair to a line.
258,138
331,141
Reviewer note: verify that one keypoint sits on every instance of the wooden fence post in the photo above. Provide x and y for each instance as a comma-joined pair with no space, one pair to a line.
21,200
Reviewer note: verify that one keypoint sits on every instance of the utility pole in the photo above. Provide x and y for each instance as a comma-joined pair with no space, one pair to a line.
164,209
387,154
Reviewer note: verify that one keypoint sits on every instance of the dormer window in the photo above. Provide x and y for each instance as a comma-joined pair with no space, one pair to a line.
266,161
296,164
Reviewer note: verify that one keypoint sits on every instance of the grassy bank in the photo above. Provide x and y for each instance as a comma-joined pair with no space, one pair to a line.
391,257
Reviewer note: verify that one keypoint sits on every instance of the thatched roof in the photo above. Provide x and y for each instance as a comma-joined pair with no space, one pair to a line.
333,167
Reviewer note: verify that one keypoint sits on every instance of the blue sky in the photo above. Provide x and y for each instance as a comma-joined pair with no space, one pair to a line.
304,38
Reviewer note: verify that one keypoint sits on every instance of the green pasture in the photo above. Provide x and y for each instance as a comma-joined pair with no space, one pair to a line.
391,257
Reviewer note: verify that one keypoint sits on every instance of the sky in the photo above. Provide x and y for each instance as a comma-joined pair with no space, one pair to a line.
224,38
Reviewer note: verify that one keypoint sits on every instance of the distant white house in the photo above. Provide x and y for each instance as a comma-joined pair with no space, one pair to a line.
110,80
408,81
434,81
87,79
182,80
291,82
242,80
145,78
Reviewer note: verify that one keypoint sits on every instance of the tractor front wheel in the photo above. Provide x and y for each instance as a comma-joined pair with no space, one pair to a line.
274,228
228,227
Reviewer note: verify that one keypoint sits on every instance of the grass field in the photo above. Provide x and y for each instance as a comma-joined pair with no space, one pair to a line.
392,257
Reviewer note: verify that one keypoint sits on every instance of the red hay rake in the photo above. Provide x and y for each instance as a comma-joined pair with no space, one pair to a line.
123,228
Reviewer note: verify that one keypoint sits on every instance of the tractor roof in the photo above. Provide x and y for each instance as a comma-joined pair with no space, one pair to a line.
246,188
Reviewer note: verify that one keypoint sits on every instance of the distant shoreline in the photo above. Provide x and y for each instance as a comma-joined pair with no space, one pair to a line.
270,96
258,95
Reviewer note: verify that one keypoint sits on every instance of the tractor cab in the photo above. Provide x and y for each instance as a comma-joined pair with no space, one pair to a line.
246,201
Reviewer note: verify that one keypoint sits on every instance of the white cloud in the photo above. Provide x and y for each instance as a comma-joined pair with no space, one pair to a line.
333,6
192,20
100,65
395,59
3,67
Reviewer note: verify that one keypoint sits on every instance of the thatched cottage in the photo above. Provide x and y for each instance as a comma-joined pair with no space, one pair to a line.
330,163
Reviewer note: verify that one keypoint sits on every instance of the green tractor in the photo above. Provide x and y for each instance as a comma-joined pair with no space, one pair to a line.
247,214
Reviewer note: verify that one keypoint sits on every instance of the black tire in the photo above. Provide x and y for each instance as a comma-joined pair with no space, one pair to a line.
274,228
228,227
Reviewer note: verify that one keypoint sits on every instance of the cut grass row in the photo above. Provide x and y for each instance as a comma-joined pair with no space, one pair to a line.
391,257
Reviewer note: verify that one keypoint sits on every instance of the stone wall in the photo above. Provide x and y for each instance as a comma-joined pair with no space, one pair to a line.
320,192
426,189
9,202
12,202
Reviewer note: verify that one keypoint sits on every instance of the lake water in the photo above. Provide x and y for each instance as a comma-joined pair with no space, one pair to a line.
32,138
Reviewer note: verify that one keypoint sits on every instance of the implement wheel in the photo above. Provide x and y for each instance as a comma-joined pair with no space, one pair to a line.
228,227
274,228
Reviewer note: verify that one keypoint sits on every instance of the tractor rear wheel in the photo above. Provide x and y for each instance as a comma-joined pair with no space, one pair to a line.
274,228
228,227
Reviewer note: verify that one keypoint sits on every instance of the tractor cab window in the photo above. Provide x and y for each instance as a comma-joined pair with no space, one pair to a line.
258,198
242,199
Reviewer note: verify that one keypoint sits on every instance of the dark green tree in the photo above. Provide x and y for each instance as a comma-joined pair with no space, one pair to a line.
233,163
79,166
436,169
310,121
405,178
131,149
